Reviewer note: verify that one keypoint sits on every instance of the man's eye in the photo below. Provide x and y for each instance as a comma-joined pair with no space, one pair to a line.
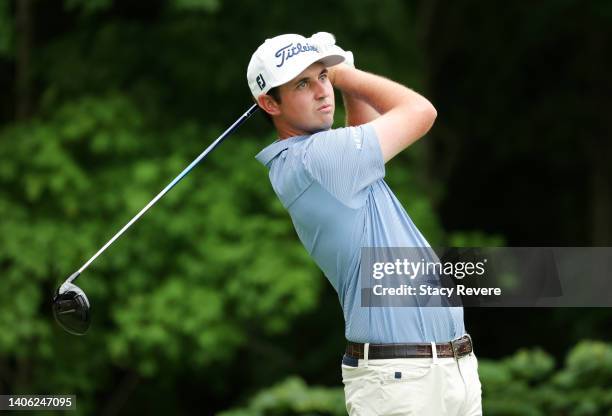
323,76
301,84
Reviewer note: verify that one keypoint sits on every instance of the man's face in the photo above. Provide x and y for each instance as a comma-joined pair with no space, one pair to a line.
307,102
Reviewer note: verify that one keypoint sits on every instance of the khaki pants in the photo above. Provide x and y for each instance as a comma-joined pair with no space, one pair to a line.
413,386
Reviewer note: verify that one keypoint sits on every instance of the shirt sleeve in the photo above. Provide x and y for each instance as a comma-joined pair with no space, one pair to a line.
345,161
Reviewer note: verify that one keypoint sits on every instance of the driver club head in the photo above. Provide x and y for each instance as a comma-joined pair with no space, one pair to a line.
71,309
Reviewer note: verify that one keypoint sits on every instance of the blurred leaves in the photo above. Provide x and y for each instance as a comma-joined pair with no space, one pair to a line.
196,5
527,382
474,239
6,29
293,397
588,364
88,6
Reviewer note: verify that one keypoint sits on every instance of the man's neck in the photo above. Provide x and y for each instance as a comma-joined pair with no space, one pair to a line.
284,131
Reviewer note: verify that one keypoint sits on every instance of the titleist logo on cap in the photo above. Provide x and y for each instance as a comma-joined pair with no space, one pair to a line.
287,52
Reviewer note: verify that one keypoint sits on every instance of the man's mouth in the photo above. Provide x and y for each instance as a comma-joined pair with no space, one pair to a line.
326,108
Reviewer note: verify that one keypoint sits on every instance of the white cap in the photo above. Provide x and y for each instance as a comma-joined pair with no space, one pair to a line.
282,58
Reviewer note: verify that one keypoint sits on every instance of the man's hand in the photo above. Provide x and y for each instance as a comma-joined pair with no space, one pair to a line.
357,110
332,70
327,43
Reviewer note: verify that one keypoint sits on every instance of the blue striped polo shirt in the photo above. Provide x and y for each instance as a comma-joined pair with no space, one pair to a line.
332,184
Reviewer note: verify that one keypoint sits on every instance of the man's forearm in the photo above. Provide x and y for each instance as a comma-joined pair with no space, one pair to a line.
380,93
405,115
358,112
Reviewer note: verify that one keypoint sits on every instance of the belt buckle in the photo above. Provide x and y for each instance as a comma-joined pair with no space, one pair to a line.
455,342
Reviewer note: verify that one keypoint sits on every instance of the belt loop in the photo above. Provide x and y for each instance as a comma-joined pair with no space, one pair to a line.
434,352
366,352
471,342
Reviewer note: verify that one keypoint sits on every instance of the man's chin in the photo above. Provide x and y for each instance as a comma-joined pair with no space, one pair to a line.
322,127
327,124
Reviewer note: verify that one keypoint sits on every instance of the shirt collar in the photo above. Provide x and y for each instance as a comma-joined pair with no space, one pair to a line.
272,150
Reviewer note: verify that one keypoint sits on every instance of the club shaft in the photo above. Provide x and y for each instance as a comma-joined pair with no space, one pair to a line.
176,180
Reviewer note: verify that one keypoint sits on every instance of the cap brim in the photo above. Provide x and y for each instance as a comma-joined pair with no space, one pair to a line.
327,60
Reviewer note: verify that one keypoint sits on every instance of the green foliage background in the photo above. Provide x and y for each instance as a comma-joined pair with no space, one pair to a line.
210,303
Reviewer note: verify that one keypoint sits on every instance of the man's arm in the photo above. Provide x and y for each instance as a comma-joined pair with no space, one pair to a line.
405,116
358,112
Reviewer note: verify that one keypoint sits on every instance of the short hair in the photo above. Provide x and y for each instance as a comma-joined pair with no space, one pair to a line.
275,94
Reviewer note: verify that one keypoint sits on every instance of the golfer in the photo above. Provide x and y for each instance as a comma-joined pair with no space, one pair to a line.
398,360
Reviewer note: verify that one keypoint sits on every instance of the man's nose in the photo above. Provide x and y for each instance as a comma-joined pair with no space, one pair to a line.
320,90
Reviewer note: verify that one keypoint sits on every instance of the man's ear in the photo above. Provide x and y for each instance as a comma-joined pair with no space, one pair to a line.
268,104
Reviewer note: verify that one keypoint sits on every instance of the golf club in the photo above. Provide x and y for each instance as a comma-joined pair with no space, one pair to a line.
71,307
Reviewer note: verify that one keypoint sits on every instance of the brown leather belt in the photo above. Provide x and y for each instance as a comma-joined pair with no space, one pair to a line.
456,348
